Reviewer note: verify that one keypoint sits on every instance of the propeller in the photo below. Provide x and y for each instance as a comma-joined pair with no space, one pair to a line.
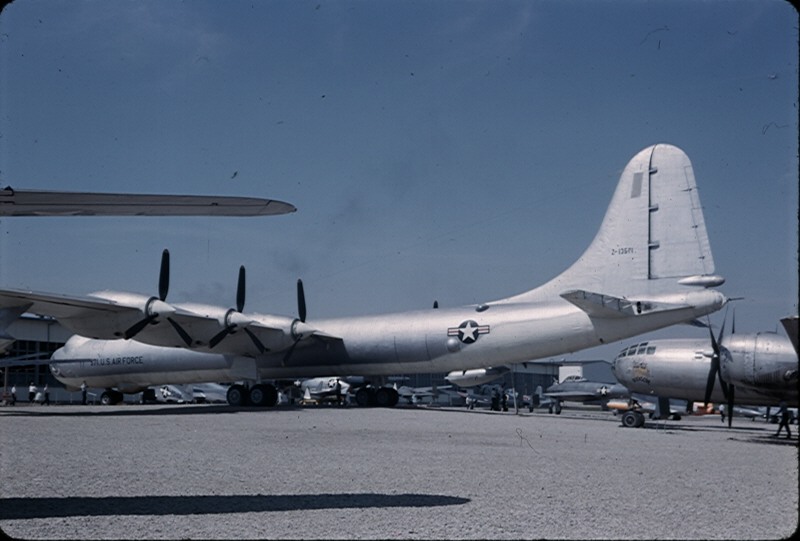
728,390
731,392
298,330
714,371
234,318
156,306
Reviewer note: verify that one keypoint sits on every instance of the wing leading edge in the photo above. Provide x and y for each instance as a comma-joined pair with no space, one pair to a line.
53,203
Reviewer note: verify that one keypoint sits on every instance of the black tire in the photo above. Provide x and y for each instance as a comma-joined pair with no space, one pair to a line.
237,395
629,419
362,397
639,419
383,397
272,396
110,398
258,396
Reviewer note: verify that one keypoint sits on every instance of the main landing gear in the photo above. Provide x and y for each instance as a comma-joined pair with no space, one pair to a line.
632,419
261,395
383,397
111,397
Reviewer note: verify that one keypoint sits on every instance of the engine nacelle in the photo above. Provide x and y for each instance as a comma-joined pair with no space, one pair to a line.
110,325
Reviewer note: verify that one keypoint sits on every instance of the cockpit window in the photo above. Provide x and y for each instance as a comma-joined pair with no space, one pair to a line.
632,350
651,350
642,348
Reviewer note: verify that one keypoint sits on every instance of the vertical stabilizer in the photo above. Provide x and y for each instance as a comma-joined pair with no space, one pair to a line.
678,241
653,231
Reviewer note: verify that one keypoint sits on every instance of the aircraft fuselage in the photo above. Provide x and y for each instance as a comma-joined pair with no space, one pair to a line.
435,340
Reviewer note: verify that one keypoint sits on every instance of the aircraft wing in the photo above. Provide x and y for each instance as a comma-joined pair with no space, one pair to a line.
50,203
111,315
59,306
407,392
578,395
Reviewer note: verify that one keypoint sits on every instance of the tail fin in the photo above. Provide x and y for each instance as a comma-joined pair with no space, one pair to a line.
536,399
653,231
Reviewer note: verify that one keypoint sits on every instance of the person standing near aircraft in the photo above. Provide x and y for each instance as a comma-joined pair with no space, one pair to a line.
46,395
31,392
338,390
83,393
784,412
13,394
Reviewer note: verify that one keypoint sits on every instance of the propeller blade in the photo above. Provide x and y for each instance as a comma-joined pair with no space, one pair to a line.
217,338
722,383
730,406
163,277
259,345
301,301
240,290
714,368
289,352
137,327
181,332
230,326
163,289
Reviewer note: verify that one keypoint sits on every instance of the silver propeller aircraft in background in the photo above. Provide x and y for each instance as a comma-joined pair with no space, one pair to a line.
576,388
753,369
649,266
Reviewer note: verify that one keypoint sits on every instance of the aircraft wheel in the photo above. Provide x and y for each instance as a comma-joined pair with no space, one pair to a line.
110,398
558,409
629,419
263,396
639,419
386,397
362,397
237,395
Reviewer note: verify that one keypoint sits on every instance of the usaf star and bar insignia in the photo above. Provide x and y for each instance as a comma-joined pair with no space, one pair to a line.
468,332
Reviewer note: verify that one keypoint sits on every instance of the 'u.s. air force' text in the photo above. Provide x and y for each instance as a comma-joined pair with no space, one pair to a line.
112,361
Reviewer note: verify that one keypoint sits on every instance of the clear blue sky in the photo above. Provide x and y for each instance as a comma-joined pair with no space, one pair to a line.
454,150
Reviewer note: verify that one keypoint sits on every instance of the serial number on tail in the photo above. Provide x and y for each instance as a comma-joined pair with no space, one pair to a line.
622,251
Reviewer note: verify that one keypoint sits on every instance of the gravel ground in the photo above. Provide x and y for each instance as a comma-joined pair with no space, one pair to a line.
215,472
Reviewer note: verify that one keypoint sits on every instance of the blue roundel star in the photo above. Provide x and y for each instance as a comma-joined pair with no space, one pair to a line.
468,332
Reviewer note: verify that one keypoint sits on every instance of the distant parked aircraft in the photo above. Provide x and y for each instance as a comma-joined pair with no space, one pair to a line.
752,369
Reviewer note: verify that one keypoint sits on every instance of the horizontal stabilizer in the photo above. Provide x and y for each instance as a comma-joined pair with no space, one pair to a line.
607,306
790,324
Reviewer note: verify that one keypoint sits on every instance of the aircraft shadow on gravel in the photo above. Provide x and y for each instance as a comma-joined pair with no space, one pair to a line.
33,508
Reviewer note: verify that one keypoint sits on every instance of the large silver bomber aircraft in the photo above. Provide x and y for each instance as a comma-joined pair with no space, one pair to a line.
649,266
752,368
